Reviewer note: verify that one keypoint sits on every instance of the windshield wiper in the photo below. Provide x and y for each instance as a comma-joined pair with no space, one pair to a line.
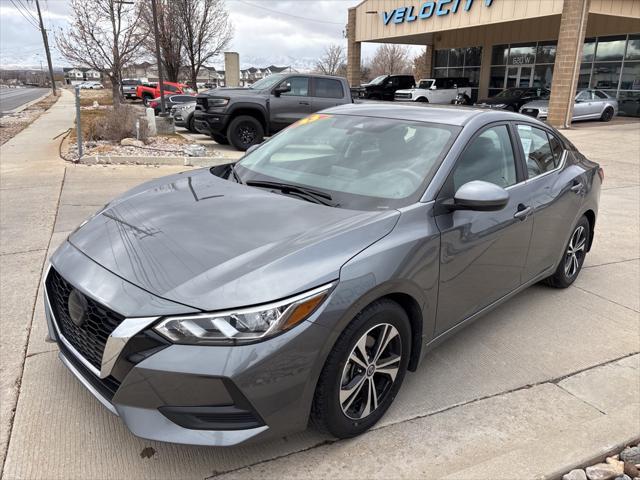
235,174
317,196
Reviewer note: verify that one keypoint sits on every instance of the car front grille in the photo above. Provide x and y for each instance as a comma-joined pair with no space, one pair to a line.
403,96
83,322
201,103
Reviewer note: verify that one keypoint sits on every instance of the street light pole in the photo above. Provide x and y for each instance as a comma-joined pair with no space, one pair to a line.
158,59
46,48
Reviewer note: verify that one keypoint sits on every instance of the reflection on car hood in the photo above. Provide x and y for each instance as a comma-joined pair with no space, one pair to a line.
496,101
214,244
537,104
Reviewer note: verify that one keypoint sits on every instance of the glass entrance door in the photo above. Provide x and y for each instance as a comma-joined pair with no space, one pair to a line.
518,77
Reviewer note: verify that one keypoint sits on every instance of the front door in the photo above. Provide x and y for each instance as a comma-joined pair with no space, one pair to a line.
518,77
482,254
291,106
585,105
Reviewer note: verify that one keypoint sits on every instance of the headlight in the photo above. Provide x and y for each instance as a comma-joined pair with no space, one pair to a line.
242,325
543,110
217,102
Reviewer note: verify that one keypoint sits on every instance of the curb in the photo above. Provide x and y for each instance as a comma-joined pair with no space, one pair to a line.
26,105
184,161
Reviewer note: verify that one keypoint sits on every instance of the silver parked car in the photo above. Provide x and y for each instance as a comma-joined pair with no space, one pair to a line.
237,302
183,115
590,105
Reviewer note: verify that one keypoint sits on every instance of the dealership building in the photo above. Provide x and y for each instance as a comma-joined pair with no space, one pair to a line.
564,45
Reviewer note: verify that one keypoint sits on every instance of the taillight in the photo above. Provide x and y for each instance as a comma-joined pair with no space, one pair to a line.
601,174
153,104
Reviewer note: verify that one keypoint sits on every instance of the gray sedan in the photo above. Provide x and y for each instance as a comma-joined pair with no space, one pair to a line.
589,105
183,115
220,305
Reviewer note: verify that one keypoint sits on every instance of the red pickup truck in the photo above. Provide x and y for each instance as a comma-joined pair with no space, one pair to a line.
149,91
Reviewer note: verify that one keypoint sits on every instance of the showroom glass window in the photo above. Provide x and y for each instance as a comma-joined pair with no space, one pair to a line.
521,65
612,64
459,62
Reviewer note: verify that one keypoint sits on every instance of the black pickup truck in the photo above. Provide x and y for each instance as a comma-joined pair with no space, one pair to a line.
244,116
383,87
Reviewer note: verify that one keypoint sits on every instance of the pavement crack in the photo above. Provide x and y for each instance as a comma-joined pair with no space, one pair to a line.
23,251
612,263
606,299
331,441
35,354
580,399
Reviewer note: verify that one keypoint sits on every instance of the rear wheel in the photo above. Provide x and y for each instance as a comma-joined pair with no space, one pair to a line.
574,255
146,98
191,125
245,131
364,371
607,115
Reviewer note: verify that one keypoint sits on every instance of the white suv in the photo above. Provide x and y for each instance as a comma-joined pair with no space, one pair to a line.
435,90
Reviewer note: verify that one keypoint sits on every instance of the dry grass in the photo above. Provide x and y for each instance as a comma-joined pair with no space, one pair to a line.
110,124
11,125
103,97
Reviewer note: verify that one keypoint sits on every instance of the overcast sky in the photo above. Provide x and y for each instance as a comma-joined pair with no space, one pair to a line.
266,31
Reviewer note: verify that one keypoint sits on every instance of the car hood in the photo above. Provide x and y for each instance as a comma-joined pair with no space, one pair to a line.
213,244
537,104
232,92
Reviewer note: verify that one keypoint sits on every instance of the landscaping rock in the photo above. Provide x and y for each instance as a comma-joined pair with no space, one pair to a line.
623,477
631,455
604,471
195,150
131,142
577,474
631,469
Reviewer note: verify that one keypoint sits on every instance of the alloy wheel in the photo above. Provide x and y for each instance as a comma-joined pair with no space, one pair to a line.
575,251
370,371
246,133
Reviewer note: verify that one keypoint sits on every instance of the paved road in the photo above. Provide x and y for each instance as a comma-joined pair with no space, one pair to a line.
548,378
12,98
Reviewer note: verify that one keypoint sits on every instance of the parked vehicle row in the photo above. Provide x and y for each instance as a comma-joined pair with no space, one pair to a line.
91,85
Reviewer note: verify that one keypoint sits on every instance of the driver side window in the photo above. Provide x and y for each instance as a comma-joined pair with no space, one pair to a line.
489,157
299,87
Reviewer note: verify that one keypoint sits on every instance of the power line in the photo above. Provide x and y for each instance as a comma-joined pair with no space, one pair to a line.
25,17
26,9
289,14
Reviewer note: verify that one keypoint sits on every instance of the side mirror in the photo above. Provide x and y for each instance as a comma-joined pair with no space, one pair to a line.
480,196
432,87
282,88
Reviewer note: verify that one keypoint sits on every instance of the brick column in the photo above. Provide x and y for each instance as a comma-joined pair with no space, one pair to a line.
353,51
485,71
573,27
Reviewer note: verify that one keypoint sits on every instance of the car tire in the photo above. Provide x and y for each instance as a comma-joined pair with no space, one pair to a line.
344,415
573,256
220,139
191,126
146,99
374,97
245,131
607,115
423,100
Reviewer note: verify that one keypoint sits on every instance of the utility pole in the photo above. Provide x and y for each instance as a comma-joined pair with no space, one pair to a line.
46,48
158,59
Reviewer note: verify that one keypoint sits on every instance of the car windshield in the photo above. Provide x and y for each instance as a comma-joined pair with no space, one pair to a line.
267,82
363,163
378,80
426,84
511,92
130,82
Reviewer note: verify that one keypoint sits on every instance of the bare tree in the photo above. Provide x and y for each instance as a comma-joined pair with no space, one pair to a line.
170,38
104,35
332,60
420,65
206,31
390,59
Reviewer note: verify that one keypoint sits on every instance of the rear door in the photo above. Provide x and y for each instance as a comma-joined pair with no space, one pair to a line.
291,106
583,106
327,93
556,192
482,254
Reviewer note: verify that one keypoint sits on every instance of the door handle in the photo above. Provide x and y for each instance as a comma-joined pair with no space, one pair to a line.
577,187
303,103
523,212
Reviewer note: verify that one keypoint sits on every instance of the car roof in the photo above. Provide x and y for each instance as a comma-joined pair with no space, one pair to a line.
449,115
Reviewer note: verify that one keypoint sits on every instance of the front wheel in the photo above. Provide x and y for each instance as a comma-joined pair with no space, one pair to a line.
245,131
364,371
607,115
146,99
422,100
574,255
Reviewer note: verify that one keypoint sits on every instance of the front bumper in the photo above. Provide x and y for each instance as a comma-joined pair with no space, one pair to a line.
199,395
210,123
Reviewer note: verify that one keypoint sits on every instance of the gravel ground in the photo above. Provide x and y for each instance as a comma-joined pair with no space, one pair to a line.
11,125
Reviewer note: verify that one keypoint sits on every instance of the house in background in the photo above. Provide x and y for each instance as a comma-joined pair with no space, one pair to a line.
75,75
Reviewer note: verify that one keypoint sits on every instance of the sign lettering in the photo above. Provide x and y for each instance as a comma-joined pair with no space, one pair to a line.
427,10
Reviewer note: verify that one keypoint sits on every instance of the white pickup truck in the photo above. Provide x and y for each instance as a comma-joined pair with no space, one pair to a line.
436,90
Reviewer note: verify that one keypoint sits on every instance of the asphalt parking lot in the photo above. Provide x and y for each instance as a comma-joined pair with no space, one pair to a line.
542,380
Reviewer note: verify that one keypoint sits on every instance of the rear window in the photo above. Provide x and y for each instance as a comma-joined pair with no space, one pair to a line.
130,82
328,88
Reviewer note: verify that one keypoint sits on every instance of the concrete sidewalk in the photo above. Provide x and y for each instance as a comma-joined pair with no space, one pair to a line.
547,381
